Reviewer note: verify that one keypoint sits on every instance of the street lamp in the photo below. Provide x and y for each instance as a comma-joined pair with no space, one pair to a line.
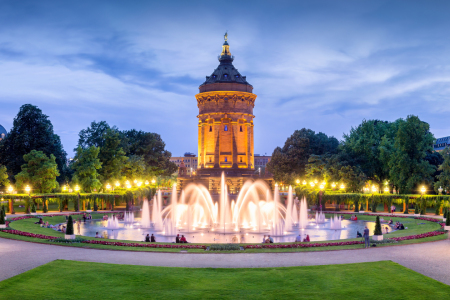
386,190
117,184
10,189
333,185
77,188
139,183
146,182
440,189
342,186
135,181
321,187
153,181
423,189
28,189
312,184
108,186
304,182
298,181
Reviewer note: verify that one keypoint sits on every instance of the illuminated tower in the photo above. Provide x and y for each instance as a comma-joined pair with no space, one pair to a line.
225,126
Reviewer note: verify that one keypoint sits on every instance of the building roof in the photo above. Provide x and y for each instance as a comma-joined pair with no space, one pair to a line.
226,72
441,143
2,130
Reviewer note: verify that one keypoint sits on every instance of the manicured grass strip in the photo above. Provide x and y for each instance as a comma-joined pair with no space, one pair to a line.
83,280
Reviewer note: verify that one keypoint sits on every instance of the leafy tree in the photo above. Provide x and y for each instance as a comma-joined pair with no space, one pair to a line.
2,216
85,165
32,130
363,144
444,176
135,167
3,176
407,163
40,171
94,135
289,162
353,178
112,156
151,148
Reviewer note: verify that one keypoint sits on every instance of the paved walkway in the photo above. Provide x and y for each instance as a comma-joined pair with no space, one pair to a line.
430,259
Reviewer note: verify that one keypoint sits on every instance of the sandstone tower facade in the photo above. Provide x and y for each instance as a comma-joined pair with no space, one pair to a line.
225,126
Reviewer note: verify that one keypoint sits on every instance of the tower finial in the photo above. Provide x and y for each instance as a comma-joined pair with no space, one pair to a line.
225,37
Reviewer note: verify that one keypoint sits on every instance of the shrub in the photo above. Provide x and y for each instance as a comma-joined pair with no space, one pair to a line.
44,207
33,208
224,247
362,207
447,222
63,240
356,206
416,209
89,205
69,228
95,205
377,230
2,216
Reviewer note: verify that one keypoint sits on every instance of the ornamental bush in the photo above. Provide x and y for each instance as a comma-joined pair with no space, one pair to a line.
69,228
377,230
95,205
356,206
2,216
44,207
224,247
33,208
447,222
416,210
89,205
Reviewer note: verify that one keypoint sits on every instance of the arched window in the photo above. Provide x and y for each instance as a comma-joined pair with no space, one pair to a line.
240,128
241,159
226,159
226,128
210,128
210,159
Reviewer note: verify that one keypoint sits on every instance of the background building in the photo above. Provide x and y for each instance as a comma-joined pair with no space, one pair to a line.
260,163
2,132
441,143
190,162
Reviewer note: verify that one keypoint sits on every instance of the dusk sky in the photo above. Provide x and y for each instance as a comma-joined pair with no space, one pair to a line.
323,65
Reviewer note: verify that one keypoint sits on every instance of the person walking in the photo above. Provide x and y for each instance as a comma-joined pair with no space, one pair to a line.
366,238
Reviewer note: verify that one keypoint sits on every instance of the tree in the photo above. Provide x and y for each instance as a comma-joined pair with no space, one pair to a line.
407,163
135,167
85,165
40,171
69,227
363,144
112,156
377,230
93,135
32,130
151,148
3,176
289,162
444,176
353,178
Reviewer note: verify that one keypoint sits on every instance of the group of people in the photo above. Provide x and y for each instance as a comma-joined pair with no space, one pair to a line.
268,240
399,225
181,239
299,238
150,239
354,218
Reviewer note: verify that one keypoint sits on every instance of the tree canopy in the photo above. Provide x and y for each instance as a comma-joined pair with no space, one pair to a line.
4,181
39,171
444,176
85,164
32,130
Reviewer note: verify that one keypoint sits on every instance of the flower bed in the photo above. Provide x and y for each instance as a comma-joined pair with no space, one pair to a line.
417,236
28,234
309,245
173,246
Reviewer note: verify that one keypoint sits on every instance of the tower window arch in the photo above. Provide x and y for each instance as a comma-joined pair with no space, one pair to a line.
240,128
210,128
226,159
225,128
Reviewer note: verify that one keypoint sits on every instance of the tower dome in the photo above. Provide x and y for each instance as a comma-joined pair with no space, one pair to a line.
3,132
226,77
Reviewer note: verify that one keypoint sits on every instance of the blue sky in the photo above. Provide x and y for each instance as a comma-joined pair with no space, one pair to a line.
324,65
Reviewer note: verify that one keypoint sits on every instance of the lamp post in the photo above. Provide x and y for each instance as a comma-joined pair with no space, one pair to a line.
321,187
10,189
108,186
28,190
440,189
333,185
77,188
423,190
11,201
304,182
297,181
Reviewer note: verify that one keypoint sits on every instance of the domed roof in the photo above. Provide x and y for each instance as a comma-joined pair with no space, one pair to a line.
2,130
226,72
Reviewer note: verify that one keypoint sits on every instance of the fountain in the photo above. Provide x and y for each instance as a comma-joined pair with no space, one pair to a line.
113,223
145,218
335,223
303,215
320,217
129,217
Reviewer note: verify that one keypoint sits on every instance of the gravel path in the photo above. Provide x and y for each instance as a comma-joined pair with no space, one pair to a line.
430,259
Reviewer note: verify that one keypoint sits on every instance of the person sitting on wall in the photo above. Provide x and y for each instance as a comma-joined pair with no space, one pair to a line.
177,239
358,234
307,238
270,240
147,238
183,239
97,235
355,218
298,238
152,238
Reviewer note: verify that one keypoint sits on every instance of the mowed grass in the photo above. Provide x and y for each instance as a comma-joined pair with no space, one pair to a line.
83,280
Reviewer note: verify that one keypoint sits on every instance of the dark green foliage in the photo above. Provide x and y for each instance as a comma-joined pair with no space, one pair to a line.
288,163
85,166
356,204
374,204
2,215
447,222
3,176
377,230
69,227
63,240
444,169
95,205
224,247
44,206
406,200
89,205
416,209
32,130
33,207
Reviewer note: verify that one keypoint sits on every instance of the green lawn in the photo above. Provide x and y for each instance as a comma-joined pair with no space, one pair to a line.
82,280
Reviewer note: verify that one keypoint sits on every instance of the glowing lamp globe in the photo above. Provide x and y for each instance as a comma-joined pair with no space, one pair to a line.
28,189
117,183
